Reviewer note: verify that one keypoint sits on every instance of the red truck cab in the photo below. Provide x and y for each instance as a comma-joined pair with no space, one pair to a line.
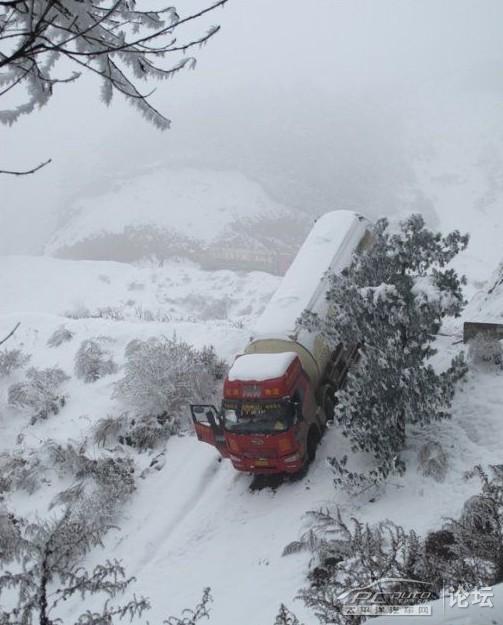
267,421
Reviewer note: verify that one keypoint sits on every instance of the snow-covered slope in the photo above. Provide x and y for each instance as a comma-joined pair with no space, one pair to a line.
195,523
455,150
168,212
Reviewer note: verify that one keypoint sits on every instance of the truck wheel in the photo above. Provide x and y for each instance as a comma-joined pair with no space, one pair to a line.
329,403
312,442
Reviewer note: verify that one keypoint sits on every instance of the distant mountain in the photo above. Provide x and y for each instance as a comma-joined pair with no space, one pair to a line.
217,218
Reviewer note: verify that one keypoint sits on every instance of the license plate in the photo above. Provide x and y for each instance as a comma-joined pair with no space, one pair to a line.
261,462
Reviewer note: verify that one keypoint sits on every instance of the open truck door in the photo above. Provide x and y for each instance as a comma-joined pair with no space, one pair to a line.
208,426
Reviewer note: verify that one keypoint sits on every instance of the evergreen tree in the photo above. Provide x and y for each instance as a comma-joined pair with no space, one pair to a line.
391,301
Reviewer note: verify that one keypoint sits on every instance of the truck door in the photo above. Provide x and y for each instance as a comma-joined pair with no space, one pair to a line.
208,426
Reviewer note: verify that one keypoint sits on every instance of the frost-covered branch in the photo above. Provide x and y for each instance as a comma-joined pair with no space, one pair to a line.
26,172
114,40
11,333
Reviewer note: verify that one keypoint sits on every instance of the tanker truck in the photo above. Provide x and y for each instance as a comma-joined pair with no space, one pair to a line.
279,393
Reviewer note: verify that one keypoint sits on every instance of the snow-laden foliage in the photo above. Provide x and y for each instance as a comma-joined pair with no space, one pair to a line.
391,302
101,485
485,350
478,533
21,471
40,392
352,555
163,375
466,553
12,359
59,336
93,361
120,42
43,570
432,460
142,432
285,617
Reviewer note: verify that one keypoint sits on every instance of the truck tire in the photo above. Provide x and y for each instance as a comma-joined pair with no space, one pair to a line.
329,402
313,438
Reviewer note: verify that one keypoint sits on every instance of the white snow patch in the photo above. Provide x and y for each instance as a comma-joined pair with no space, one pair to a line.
259,367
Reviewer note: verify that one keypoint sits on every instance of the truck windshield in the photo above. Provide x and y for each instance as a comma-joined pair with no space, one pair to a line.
257,416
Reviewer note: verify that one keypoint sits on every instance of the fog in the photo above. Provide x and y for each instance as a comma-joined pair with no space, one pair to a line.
327,104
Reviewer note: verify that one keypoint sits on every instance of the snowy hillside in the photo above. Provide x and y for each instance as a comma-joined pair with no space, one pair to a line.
457,175
192,521
177,212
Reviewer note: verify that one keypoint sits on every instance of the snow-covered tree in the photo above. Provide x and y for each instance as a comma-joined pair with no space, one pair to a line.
93,361
391,301
44,569
40,392
121,42
163,375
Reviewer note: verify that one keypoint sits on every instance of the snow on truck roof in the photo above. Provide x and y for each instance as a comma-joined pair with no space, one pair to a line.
258,367
329,245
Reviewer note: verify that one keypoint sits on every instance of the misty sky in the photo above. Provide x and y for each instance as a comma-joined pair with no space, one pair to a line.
315,100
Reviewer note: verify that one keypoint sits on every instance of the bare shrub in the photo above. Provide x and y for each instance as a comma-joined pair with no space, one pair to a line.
79,311
163,375
93,361
432,461
115,313
12,359
486,351
40,392
59,336
136,286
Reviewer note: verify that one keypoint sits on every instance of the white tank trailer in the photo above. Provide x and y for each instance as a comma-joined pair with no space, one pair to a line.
329,248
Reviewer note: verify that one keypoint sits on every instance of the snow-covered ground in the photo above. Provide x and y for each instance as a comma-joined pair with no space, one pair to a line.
195,523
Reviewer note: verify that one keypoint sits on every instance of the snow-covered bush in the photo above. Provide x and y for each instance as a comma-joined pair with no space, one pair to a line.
20,471
100,485
285,617
12,359
40,392
432,461
79,311
466,552
392,301
485,350
93,361
10,534
142,433
478,533
352,555
162,376
59,336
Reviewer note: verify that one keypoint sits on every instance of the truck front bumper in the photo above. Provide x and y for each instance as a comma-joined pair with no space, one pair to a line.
291,463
